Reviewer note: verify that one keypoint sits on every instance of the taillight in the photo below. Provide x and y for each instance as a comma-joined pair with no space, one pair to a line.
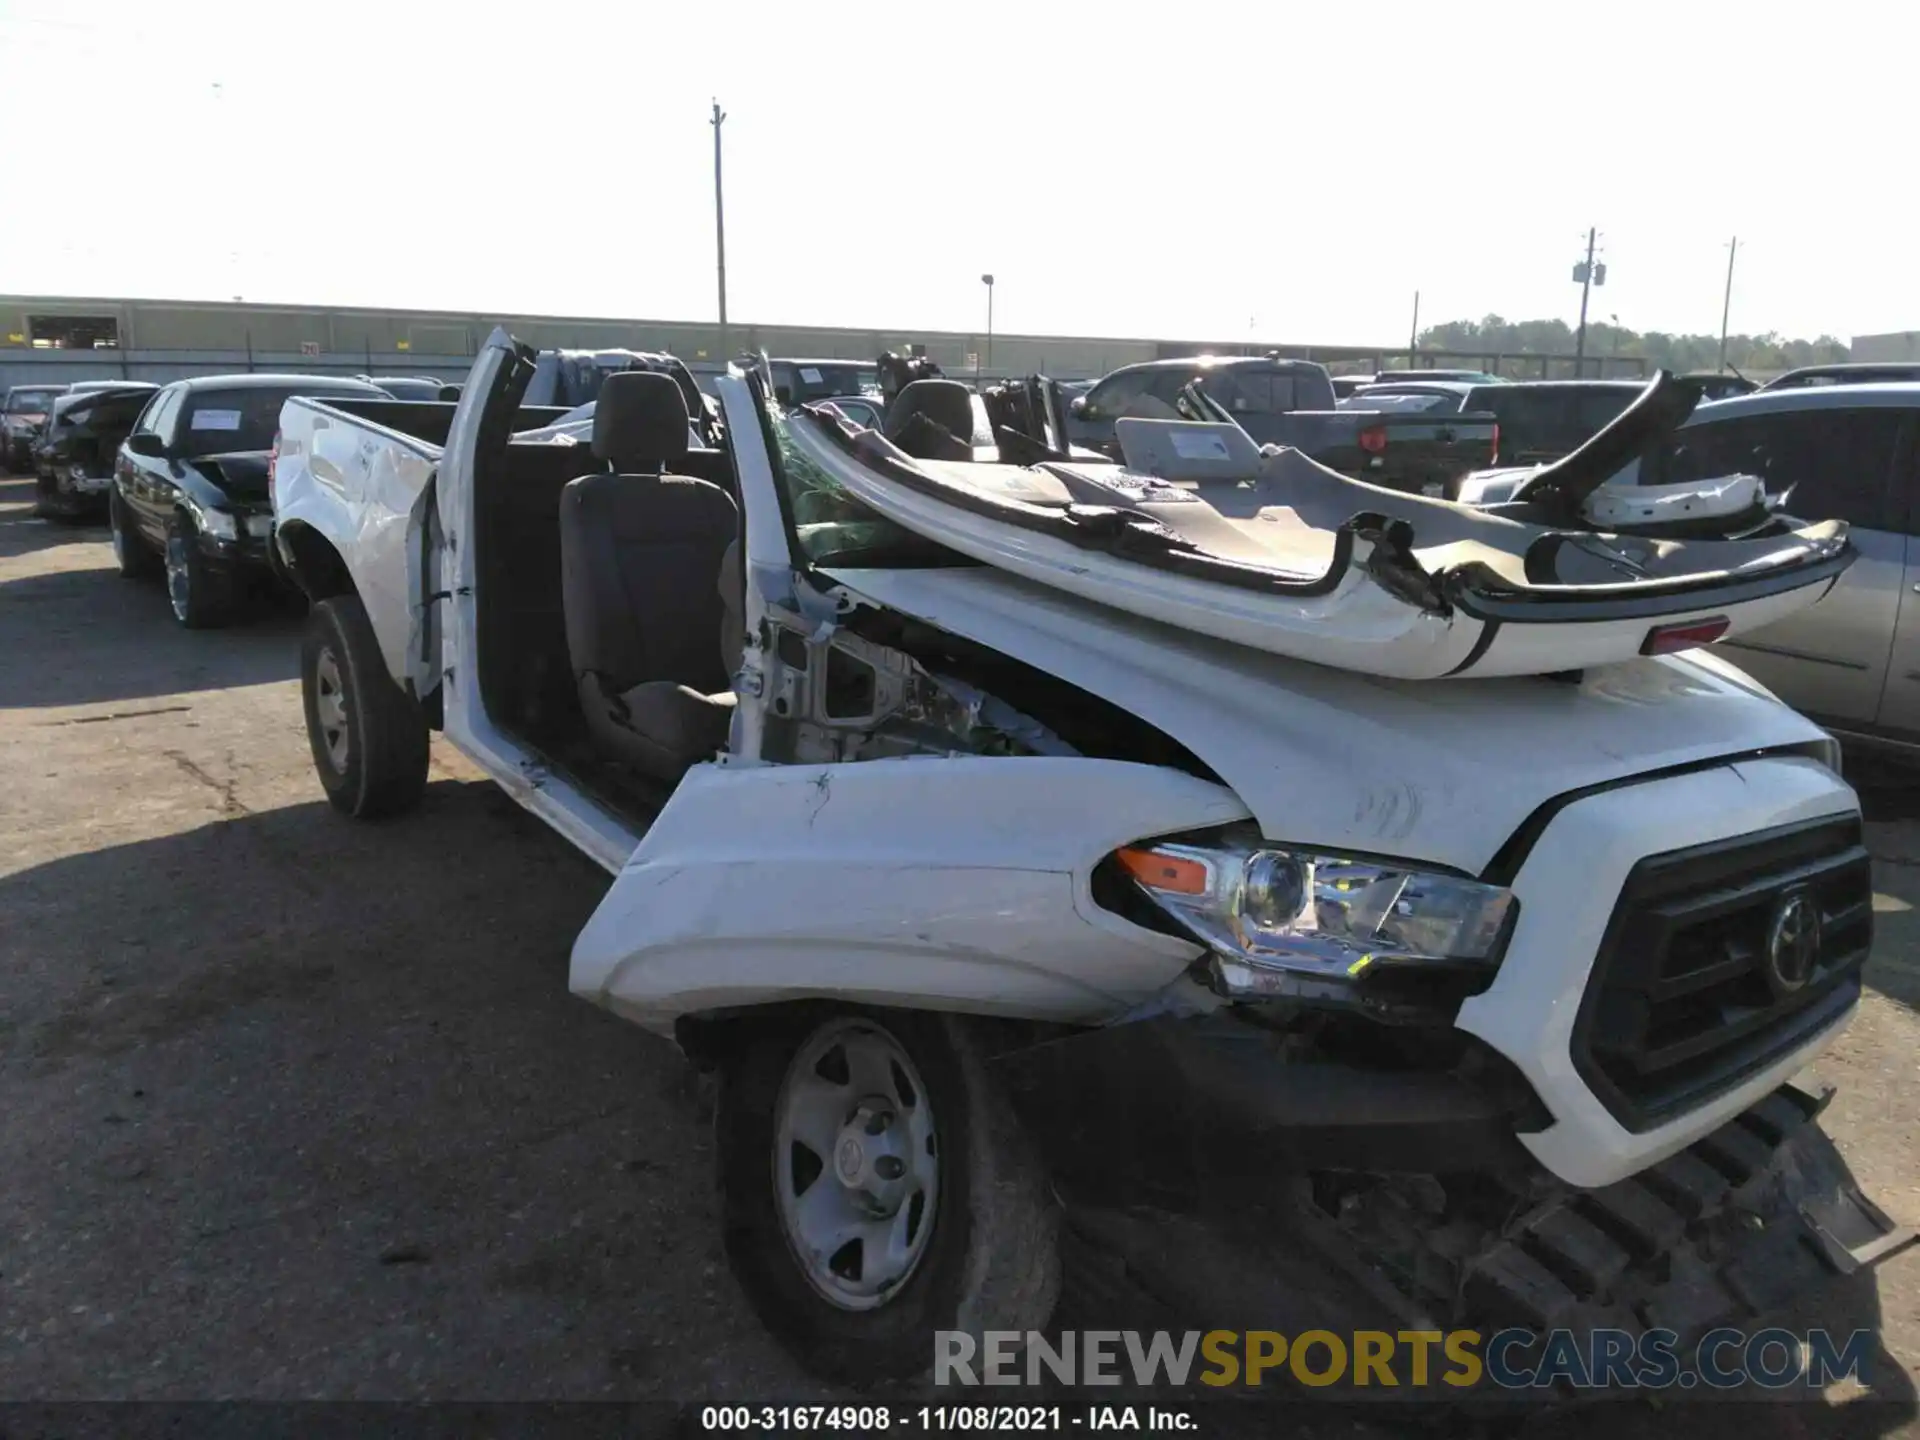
1665,639
1373,439
1494,459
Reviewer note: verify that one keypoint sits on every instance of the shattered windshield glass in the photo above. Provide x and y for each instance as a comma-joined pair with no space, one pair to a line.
834,528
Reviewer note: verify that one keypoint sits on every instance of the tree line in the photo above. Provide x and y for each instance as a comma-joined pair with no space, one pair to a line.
1497,336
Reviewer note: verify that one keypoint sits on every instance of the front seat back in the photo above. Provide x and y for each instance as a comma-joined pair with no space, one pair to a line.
932,420
640,556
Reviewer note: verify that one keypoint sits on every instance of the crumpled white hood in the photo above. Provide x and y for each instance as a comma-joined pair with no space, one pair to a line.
1442,770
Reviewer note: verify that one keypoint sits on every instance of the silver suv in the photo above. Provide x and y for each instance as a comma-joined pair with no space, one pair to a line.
1848,452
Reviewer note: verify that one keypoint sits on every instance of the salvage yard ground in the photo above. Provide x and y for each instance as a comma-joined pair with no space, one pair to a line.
296,1108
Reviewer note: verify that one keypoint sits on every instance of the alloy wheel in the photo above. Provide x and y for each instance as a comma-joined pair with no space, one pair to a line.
179,576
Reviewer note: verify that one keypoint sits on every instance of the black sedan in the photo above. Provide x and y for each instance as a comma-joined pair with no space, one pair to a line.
190,496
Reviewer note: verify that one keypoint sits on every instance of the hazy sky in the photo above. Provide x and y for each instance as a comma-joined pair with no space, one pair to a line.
1276,171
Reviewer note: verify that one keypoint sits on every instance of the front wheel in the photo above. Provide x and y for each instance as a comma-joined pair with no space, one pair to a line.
200,590
876,1188
369,736
130,552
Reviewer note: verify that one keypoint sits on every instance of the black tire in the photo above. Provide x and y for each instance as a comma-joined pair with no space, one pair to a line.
992,1261
377,764
130,550
200,591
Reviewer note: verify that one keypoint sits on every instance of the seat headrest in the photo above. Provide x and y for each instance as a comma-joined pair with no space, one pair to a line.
640,421
947,403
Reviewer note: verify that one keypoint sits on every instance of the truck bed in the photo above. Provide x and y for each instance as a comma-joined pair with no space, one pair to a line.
424,421
1418,453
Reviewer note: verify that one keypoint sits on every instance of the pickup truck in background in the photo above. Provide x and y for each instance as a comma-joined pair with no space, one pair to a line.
1539,420
1291,402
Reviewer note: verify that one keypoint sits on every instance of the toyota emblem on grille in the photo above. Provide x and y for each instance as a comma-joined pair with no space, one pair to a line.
1793,942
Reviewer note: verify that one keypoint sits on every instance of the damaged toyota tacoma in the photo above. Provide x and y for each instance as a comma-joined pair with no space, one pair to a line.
1016,925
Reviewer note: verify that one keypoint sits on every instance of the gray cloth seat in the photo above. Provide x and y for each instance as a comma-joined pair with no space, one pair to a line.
640,559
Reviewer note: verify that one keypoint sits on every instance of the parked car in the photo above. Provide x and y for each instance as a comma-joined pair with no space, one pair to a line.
408,387
1540,420
1289,402
22,416
1004,902
190,486
1851,662
74,455
1882,372
1345,387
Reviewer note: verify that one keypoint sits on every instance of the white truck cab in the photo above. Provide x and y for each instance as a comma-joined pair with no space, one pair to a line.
982,898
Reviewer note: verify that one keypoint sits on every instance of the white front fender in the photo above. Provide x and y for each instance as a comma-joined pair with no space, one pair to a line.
956,884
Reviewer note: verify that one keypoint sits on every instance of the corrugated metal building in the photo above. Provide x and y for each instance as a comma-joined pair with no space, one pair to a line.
69,338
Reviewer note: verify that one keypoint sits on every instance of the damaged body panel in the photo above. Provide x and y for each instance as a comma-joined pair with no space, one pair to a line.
1206,531
367,487
965,882
1345,761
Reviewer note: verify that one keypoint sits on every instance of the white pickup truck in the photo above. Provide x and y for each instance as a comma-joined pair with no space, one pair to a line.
991,906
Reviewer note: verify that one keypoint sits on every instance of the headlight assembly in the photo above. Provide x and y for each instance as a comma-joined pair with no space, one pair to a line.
218,523
1273,915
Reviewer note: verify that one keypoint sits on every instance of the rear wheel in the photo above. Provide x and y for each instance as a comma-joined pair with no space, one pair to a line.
130,551
201,591
369,737
876,1189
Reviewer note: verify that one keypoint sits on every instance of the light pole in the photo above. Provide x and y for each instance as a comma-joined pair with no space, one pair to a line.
986,280
720,231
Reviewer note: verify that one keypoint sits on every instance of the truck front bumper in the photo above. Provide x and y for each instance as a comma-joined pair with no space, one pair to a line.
1570,885
1406,1199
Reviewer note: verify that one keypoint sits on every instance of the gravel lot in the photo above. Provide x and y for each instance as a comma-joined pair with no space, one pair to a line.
295,1108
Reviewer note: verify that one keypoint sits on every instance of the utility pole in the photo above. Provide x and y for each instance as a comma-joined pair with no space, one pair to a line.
986,280
1413,337
720,232
1726,305
1587,275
